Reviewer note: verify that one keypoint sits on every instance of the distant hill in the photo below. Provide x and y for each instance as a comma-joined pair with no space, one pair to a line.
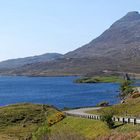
14,63
117,49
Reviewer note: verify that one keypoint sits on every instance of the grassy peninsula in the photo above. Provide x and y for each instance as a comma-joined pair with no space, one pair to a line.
99,79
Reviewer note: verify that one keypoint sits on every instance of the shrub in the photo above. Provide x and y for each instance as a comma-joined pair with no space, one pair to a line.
55,118
126,89
103,104
107,118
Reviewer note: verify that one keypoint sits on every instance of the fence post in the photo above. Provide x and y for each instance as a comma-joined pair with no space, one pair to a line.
128,120
118,119
123,120
134,121
113,119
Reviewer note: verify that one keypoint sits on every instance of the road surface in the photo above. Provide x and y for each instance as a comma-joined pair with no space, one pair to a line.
81,111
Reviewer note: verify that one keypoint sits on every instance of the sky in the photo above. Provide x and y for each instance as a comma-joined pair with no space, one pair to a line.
33,27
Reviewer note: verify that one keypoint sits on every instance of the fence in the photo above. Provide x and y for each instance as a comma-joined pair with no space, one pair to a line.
115,119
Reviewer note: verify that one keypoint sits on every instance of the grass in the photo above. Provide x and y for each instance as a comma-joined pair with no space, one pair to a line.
130,108
94,129
21,120
123,132
85,127
99,79
127,128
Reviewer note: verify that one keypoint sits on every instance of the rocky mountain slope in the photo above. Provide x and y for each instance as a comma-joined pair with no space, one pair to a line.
121,40
117,49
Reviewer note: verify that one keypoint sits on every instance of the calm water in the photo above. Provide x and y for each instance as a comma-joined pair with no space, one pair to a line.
58,91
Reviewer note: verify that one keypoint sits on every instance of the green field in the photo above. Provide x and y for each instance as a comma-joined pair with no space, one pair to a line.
99,79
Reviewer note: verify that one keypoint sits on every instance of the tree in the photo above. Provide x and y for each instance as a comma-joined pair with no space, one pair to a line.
126,89
107,118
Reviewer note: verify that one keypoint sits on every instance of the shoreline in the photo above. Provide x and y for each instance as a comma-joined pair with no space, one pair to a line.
50,105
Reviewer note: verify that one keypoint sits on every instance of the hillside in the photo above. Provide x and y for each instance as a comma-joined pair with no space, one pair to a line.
19,121
117,49
84,127
22,121
120,41
13,63
130,108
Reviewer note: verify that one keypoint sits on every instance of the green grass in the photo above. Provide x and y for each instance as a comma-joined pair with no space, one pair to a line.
91,129
126,128
21,120
99,79
85,127
130,108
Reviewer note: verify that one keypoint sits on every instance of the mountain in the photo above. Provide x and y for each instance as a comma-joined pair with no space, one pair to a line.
120,41
13,63
116,49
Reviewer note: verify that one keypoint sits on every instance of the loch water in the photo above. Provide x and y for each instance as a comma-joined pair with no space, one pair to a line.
58,91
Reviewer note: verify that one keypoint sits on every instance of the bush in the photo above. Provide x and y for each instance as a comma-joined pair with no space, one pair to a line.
103,104
107,118
56,118
126,89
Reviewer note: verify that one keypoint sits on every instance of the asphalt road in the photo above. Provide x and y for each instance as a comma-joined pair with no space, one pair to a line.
81,111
